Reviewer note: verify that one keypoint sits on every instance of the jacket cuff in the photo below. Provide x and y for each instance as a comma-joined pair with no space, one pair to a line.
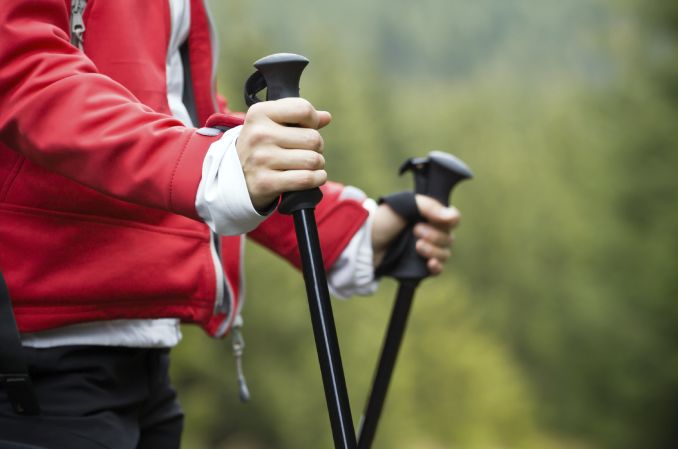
188,172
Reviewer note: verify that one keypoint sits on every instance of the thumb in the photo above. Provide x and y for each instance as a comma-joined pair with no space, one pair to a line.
435,213
324,119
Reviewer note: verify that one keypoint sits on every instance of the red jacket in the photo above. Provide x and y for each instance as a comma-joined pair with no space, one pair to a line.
98,181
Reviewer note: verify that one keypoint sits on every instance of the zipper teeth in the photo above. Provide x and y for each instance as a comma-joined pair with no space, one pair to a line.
218,274
78,6
234,315
226,292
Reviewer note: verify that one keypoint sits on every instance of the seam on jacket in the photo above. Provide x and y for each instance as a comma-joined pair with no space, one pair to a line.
9,182
174,172
103,221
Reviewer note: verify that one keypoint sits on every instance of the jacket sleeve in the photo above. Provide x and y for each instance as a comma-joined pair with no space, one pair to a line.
338,220
57,110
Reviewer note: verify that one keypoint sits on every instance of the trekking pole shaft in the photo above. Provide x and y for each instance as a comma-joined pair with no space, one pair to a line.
324,330
387,360
435,176
280,74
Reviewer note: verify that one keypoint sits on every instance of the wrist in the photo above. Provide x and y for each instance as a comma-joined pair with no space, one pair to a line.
386,226
223,200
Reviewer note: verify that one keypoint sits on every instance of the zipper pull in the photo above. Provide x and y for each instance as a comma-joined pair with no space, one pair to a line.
238,343
77,23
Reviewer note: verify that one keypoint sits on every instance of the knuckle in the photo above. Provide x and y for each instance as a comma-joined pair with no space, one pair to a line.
442,239
435,268
308,179
305,109
251,135
315,140
321,141
255,111
263,184
258,157
423,248
314,161
257,134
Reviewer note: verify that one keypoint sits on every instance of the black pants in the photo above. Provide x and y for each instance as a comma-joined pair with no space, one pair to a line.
95,397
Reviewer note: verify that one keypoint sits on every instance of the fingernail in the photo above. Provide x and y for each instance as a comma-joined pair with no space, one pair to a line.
447,213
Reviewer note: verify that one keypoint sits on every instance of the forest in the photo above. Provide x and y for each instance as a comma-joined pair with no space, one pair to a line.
555,325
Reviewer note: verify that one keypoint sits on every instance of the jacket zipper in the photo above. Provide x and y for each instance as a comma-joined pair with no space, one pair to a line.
223,302
78,23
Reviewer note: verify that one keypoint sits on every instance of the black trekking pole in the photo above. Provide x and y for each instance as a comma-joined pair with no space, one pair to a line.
434,176
280,75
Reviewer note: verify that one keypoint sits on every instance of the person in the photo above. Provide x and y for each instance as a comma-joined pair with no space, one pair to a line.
127,188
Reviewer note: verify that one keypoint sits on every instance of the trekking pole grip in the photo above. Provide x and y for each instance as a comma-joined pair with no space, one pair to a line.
280,74
436,176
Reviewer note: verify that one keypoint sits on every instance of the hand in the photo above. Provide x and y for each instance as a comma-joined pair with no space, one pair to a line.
434,237
280,149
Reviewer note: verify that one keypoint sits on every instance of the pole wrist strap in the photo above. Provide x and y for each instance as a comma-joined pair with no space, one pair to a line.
404,204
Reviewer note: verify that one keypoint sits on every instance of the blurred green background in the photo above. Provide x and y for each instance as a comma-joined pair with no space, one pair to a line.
556,323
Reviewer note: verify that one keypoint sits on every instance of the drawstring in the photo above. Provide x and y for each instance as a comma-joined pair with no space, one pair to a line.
238,343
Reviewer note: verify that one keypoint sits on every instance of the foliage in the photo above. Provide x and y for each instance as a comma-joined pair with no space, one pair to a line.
555,325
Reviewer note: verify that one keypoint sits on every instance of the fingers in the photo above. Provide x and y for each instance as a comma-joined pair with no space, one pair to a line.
268,173
434,238
436,256
271,183
291,112
433,235
290,138
293,180
275,159
280,148
435,267
437,214
430,251
324,119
